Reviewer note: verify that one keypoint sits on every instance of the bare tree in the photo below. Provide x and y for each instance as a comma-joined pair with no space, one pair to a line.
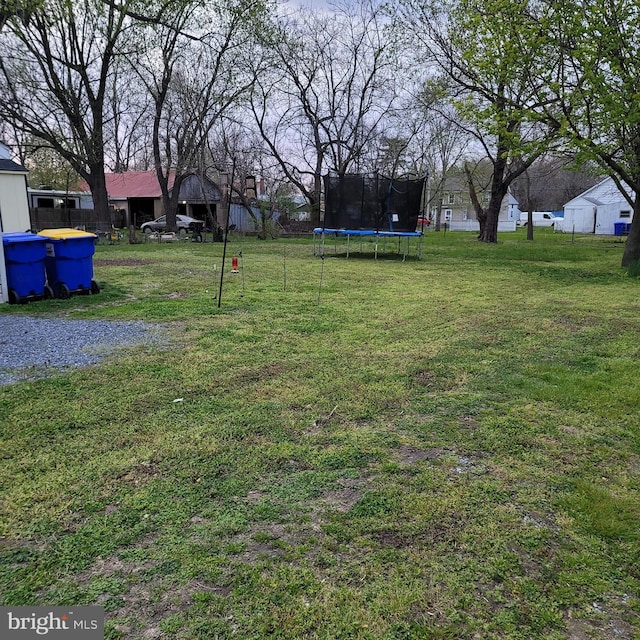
445,141
193,75
259,183
128,116
55,75
331,85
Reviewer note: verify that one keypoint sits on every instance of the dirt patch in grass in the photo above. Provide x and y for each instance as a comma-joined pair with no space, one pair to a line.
147,597
343,498
593,629
268,541
266,372
116,566
146,605
412,455
445,529
140,474
469,422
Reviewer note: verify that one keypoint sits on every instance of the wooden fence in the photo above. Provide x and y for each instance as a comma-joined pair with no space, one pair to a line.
87,219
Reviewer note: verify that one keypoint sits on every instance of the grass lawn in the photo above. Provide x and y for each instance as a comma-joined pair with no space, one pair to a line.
347,448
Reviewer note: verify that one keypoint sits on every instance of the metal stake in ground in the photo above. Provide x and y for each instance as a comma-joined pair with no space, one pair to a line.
226,232
321,274
242,270
284,266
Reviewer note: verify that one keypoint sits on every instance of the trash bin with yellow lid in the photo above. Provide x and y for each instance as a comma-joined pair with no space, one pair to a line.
69,261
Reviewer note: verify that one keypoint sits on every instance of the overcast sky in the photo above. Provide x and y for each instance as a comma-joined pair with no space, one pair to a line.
315,4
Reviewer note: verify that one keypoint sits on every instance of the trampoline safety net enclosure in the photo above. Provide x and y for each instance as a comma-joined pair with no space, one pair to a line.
372,202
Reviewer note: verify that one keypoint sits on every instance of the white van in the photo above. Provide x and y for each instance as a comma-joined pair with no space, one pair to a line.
540,219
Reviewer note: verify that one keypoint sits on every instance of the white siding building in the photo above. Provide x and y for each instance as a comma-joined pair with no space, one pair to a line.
597,210
14,207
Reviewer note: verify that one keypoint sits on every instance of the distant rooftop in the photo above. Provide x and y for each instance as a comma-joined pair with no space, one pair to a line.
10,165
132,184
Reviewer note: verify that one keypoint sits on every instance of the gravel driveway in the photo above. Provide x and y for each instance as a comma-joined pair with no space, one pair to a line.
31,347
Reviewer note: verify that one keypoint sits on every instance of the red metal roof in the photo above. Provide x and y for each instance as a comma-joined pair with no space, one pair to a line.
134,184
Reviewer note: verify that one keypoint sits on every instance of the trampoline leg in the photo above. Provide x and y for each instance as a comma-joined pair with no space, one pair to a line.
335,244
348,242
376,248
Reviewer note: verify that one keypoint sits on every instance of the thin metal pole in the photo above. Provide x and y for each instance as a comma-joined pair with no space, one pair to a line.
226,232
242,269
284,265
321,275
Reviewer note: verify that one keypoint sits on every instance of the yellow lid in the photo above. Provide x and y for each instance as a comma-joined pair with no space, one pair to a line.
64,234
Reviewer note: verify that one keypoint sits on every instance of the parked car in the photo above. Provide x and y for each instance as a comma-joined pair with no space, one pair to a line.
540,219
423,222
183,222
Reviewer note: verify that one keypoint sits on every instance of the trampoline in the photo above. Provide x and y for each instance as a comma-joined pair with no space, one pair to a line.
320,233
371,205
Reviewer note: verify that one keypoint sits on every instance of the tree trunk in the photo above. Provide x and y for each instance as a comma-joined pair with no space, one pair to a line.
632,246
490,231
98,186
498,192
169,200
481,214
527,186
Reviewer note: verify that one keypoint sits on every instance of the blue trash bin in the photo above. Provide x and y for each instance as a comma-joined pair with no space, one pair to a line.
618,228
69,261
24,256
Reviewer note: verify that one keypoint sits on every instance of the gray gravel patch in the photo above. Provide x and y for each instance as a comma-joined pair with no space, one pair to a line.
32,348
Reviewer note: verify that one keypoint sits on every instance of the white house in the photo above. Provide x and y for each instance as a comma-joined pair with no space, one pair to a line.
464,219
14,207
597,210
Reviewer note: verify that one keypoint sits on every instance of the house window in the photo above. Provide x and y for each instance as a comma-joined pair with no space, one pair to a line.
57,203
451,198
447,215
465,215
625,214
